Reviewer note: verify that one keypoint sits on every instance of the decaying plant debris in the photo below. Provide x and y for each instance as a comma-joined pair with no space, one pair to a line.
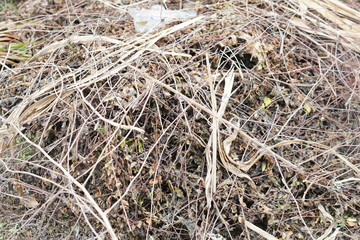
240,123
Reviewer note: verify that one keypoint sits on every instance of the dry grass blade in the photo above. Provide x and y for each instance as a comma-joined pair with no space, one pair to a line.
24,114
250,109
341,8
328,217
213,143
91,200
257,144
350,29
23,111
322,146
75,39
327,11
258,230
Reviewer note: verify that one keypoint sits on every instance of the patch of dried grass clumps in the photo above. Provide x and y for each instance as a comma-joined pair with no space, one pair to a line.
240,123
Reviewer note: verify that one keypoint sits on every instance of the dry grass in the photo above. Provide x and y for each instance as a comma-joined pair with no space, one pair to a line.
242,123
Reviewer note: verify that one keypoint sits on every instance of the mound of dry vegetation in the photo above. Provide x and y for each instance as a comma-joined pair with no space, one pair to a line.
240,123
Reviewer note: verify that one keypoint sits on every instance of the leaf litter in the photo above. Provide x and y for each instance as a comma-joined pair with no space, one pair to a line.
239,122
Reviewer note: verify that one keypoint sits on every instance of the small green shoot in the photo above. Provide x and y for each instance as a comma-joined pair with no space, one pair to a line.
307,108
266,103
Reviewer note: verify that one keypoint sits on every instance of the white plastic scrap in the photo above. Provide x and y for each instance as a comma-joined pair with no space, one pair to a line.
157,16
215,236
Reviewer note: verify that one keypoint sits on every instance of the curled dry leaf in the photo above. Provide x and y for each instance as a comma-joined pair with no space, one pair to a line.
29,202
227,161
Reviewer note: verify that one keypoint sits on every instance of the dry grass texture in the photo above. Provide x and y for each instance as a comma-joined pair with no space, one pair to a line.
241,123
